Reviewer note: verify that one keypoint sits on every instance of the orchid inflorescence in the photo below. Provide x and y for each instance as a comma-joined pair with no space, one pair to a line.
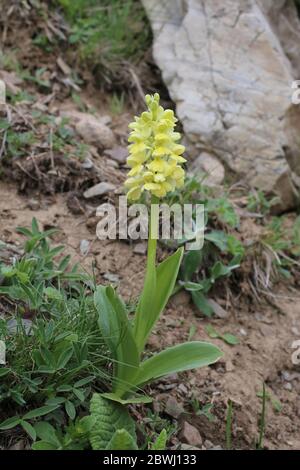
155,157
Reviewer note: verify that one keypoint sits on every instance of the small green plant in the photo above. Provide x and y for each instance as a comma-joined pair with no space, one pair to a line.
54,348
205,410
274,401
108,34
192,279
227,337
258,202
117,103
201,269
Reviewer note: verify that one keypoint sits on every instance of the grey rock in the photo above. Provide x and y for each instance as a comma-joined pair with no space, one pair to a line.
190,435
140,248
95,133
208,444
87,164
226,69
188,447
99,189
173,408
212,169
118,153
111,277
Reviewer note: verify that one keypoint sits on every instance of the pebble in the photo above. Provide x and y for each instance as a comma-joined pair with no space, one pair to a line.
190,435
99,189
117,153
208,444
111,277
84,247
94,132
87,164
183,389
33,204
140,248
188,447
173,408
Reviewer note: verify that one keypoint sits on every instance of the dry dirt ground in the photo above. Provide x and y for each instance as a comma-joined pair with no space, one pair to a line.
265,330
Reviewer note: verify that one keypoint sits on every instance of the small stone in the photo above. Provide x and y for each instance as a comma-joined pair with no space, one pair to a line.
87,164
288,386
190,435
33,204
216,448
112,163
84,247
229,366
140,248
94,132
188,447
211,166
182,298
118,153
173,408
99,189
183,389
243,332
295,331
111,277
208,444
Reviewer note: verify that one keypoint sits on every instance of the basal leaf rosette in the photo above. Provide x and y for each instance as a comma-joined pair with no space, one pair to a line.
155,156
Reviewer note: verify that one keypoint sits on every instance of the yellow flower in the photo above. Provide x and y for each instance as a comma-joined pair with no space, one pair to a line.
155,157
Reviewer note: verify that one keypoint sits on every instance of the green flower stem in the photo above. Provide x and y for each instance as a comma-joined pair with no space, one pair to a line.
153,234
147,297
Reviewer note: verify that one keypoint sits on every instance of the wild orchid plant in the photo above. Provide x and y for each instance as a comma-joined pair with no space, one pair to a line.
155,159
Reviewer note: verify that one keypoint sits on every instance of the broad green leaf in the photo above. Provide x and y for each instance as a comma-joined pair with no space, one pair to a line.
210,330
70,409
202,303
4,371
192,286
53,294
64,358
166,275
144,311
127,401
230,339
191,263
10,423
176,359
29,429
219,269
109,417
43,410
161,441
117,332
46,432
43,445
218,238
122,440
